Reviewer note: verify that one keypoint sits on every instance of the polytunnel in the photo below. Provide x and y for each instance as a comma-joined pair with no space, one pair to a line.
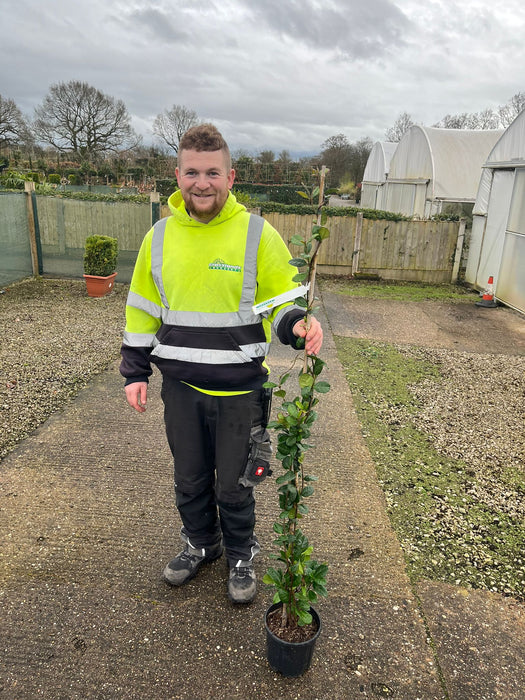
431,167
497,243
376,173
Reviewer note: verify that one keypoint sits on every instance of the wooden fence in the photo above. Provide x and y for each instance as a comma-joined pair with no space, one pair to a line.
423,251
418,251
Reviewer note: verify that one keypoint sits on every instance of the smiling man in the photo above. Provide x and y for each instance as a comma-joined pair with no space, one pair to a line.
198,275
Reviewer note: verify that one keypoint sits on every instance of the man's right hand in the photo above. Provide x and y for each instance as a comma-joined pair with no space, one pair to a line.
136,394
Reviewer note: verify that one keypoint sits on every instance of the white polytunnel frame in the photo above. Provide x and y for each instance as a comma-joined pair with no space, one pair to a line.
376,173
497,242
431,167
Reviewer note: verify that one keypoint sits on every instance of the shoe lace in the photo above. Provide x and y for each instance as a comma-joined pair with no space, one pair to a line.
243,571
187,556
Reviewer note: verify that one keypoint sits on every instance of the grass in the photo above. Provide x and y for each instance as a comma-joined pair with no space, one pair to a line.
399,291
446,534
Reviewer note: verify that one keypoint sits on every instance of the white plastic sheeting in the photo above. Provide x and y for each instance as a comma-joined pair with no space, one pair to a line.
443,165
497,245
375,175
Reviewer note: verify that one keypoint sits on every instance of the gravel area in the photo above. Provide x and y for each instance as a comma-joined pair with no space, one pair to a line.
475,413
53,339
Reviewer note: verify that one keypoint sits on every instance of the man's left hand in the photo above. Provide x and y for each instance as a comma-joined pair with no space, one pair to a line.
314,336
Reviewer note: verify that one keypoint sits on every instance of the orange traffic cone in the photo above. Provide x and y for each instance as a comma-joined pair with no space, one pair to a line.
487,300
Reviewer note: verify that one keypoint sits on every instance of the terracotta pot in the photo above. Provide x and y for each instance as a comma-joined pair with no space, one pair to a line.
99,286
291,659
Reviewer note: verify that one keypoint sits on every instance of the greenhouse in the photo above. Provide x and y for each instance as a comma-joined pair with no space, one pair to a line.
434,167
376,173
497,245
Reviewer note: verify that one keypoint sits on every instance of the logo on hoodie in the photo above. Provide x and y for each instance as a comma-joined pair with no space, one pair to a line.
219,264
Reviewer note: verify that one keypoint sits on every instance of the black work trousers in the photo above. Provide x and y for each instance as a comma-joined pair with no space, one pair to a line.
209,437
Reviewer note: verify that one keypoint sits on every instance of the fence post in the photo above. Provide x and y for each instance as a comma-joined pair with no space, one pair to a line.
459,250
154,199
34,229
357,246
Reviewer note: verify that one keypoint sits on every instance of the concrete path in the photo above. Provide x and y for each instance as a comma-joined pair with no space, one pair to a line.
88,522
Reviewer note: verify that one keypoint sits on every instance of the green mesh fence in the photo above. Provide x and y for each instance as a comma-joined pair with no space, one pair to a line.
62,228
15,251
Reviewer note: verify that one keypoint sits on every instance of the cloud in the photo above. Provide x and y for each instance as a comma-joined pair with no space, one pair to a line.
276,74
353,30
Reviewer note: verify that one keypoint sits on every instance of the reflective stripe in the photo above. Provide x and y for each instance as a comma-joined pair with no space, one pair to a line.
157,250
244,315
140,340
201,319
280,314
143,304
211,357
249,284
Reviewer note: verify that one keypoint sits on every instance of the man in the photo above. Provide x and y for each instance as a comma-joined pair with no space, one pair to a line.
190,311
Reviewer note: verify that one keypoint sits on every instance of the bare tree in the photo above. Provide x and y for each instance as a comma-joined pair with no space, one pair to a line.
456,121
171,125
13,127
284,157
486,119
336,153
509,111
400,127
76,118
266,157
359,152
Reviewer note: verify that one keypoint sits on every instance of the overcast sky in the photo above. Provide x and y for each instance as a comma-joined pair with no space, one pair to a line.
271,74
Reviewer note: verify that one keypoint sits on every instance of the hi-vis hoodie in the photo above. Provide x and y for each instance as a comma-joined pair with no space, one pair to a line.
189,308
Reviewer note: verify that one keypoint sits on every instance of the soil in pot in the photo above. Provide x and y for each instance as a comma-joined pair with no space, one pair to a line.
293,635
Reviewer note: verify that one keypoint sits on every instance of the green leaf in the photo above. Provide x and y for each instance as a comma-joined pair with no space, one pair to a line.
307,491
285,478
303,194
318,366
301,301
305,380
300,277
305,618
297,262
322,387
320,232
296,239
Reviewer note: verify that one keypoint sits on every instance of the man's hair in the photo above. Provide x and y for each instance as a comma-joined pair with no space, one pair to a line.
204,137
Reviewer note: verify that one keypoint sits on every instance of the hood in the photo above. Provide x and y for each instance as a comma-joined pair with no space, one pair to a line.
178,210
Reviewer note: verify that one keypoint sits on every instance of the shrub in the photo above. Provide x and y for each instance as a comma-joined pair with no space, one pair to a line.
100,255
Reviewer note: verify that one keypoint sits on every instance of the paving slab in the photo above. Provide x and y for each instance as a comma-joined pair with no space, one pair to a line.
457,326
480,641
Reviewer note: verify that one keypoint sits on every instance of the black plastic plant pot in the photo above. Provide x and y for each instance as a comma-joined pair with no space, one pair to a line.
291,659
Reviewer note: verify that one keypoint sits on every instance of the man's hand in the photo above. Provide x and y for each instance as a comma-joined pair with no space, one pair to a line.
314,337
136,394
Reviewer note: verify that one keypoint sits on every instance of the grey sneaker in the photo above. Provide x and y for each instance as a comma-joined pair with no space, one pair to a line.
242,583
187,563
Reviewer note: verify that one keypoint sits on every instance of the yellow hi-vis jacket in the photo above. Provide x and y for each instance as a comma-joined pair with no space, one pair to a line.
189,308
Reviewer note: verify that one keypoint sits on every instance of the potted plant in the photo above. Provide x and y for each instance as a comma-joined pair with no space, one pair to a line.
100,262
292,624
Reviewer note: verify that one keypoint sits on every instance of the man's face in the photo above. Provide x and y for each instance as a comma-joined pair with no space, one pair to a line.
205,181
